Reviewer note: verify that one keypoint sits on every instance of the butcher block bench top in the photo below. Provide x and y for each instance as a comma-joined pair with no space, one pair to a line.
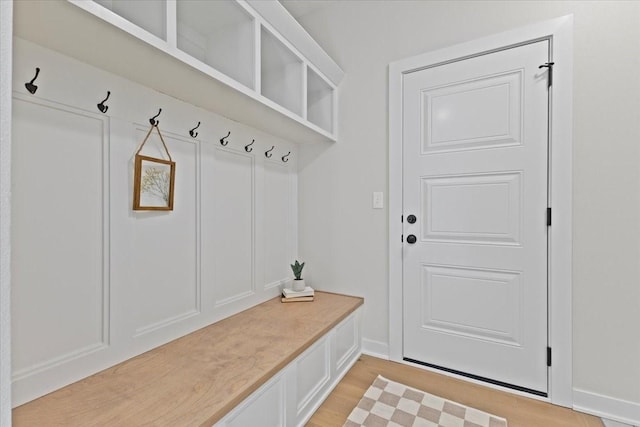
196,379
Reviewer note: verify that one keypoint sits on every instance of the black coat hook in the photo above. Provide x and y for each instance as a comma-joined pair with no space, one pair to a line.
268,153
153,120
224,141
248,147
103,108
285,157
30,86
192,131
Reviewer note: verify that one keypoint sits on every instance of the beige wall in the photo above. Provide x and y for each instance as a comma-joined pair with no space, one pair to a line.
345,242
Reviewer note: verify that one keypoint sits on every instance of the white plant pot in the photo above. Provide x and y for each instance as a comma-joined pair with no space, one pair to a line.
298,285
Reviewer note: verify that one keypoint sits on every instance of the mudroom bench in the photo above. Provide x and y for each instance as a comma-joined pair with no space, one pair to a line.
270,365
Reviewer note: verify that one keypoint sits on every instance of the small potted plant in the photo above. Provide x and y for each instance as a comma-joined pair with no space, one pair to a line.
298,282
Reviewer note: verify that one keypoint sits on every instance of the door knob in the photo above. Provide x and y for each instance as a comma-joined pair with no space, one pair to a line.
411,239
411,219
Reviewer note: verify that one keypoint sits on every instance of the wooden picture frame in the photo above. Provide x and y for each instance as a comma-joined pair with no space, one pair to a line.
153,184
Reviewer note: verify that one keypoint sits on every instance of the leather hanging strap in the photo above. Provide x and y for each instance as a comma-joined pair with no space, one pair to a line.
161,139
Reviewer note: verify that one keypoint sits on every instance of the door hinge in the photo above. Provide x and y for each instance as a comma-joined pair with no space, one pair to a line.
402,238
548,356
401,218
548,65
548,217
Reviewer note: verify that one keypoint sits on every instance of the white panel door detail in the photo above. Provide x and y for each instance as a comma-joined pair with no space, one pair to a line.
475,177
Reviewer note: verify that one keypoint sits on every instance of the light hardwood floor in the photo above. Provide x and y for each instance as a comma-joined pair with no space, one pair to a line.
519,411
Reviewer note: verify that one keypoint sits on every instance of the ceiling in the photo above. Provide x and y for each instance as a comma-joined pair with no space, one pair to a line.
300,8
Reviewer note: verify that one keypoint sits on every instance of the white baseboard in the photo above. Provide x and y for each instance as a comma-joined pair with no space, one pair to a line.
611,423
377,349
606,407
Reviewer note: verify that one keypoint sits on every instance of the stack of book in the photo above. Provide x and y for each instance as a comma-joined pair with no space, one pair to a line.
289,295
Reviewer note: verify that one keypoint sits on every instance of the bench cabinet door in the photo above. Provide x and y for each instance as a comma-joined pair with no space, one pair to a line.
265,407
346,342
312,377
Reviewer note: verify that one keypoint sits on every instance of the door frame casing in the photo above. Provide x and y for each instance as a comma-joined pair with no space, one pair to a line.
559,32
6,70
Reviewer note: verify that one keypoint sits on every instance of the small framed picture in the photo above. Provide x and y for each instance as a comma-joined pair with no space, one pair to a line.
153,184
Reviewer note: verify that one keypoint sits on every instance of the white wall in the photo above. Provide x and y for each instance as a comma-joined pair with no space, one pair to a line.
6,15
345,242
94,282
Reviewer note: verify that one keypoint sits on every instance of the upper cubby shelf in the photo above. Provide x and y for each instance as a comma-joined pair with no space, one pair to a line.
281,73
246,60
220,34
150,15
320,98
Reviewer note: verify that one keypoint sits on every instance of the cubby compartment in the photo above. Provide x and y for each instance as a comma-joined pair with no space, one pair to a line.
319,101
220,34
150,15
281,73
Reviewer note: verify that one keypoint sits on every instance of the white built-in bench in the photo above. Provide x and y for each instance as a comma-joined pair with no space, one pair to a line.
271,365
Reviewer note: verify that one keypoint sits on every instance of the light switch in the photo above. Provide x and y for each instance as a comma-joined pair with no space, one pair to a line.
378,200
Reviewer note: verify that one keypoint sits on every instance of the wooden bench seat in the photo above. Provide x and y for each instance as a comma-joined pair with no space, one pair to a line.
197,379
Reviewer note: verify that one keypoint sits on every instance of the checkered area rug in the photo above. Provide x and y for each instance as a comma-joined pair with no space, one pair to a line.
387,403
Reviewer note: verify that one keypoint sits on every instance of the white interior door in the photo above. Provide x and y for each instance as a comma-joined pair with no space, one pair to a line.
475,178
